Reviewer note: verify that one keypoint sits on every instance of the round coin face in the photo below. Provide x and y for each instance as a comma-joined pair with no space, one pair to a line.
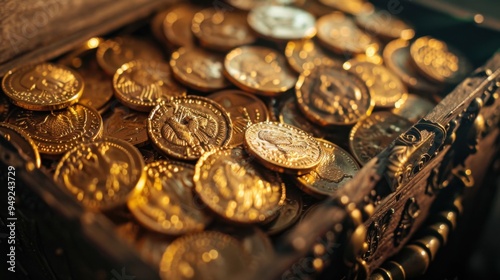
305,55
282,22
332,96
141,84
385,25
221,30
353,7
206,255
103,174
124,123
397,58
235,188
189,126
43,87
244,109
282,147
438,61
289,113
385,87
166,204
198,69
339,33
336,169
259,70
22,141
57,132
177,25
413,107
372,135
288,214
113,53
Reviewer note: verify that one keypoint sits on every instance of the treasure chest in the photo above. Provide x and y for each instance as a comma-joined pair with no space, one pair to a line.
423,170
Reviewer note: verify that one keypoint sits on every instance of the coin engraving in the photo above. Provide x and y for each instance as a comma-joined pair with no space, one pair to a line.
305,55
43,87
189,126
126,124
237,189
330,96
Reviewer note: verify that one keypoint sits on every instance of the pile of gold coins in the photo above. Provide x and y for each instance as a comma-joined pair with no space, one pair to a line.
240,116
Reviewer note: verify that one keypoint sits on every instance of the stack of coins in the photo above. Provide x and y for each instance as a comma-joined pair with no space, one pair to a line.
234,123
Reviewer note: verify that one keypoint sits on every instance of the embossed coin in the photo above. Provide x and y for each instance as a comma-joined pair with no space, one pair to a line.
438,61
259,70
235,188
385,87
177,25
56,132
385,25
98,90
198,69
43,87
288,214
413,107
113,53
339,33
397,58
330,96
21,141
282,147
206,255
335,170
277,22
352,7
289,113
166,204
243,108
189,126
220,30
126,124
141,84
373,134
305,55
103,174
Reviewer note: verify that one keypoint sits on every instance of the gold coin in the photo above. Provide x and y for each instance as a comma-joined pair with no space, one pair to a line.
372,135
103,174
206,255
289,113
235,188
305,55
151,246
141,84
156,26
438,61
259,70
25,145
385,87
330,96
57,132
397,58
5,107
353,7
198,69
220,30
177,25
282,147
283,23
288,214
374,58
413,107
189,126
385,25
247,5
336,169
98,91
123,123
316,8
244,109
43,87
166,204
339,33
113,53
